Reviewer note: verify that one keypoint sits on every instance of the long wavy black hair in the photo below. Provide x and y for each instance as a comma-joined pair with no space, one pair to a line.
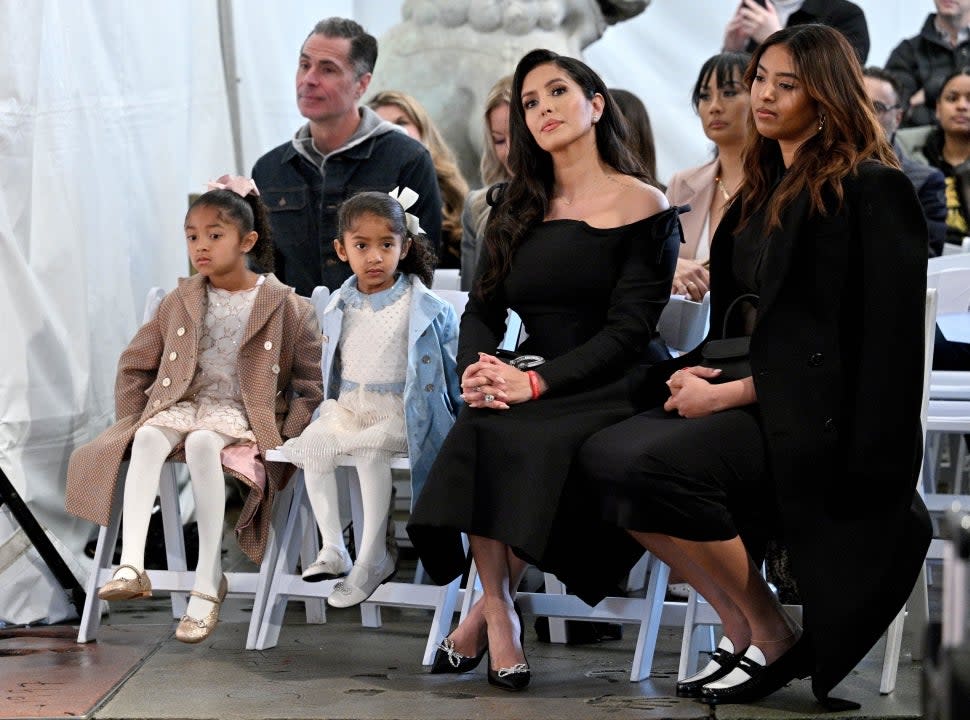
525,200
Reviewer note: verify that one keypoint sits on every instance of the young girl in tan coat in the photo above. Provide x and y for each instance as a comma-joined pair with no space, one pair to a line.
228,368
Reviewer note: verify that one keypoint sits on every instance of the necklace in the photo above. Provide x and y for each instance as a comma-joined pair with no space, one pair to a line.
720,184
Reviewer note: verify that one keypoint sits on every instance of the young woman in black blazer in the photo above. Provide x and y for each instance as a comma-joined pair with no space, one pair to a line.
820,445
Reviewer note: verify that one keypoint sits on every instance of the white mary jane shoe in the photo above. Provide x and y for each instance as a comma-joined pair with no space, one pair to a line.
332,562
361,583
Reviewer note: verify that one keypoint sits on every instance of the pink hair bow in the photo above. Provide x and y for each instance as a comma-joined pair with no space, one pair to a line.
240,185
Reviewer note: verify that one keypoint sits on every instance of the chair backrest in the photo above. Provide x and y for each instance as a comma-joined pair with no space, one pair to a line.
152,301
953,288
683,323
945,262
446,279
457,298
320,298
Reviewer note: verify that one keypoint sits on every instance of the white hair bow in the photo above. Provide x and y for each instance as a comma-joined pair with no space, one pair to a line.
407,197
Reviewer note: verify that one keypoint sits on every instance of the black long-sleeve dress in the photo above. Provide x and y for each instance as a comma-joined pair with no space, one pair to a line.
589,299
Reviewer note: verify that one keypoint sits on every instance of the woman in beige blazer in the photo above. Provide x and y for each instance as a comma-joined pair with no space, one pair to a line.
721,101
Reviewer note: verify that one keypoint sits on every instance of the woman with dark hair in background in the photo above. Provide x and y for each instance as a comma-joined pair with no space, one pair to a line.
818,440
720,99
583,248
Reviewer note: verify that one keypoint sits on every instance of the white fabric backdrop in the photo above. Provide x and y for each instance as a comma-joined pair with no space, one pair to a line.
113,111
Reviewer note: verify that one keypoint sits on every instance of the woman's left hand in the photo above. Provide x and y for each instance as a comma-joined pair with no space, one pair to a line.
691,395
490,376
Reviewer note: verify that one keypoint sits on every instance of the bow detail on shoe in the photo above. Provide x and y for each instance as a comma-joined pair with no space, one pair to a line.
514,670
447,646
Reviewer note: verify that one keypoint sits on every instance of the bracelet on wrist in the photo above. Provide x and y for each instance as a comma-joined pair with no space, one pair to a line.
534,383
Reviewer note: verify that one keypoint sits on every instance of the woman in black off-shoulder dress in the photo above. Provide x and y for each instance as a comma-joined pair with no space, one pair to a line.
583,248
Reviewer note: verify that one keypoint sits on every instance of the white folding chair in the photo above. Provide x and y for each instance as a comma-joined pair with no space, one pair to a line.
949,410
177,579
299,539
446,279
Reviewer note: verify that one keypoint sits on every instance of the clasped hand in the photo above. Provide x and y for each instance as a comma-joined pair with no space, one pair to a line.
490,376
691,393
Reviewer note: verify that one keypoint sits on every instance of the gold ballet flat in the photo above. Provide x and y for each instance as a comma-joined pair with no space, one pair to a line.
193,630
127,589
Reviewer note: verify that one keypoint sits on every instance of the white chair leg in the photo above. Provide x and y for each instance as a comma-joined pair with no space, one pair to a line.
315,608
697,637
103,555
370,613
441,621
174,535
918,607
268,565
557,626
471,592
688,658
650,624
890,661
275,605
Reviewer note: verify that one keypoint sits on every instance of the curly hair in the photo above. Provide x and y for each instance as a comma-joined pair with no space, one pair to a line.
246,214
420,258
849,132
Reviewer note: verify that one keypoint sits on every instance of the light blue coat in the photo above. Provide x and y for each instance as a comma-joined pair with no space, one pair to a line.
432,394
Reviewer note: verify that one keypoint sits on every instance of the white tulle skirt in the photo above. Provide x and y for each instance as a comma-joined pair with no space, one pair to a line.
361,423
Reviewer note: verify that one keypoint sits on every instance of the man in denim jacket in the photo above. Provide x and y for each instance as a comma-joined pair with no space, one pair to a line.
343,149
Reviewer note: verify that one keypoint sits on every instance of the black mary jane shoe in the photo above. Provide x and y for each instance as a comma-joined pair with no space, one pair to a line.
761,680
723,660
448,660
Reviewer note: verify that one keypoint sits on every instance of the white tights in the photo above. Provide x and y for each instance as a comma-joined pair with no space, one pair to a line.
375,491
151,446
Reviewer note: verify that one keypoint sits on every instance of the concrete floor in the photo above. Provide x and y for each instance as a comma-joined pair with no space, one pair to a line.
343,671
340,670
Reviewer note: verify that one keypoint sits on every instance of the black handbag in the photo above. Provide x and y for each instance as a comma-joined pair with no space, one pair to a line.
729,354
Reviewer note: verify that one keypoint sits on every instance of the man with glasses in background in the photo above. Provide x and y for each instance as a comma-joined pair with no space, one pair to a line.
930,185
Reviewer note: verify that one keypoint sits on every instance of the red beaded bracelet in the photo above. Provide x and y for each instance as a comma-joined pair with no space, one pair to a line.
533,383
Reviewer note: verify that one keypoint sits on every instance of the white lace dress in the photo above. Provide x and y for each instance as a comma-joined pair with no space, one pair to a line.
367,417
213,400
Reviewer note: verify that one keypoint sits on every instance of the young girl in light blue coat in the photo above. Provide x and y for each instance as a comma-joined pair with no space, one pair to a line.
390,383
